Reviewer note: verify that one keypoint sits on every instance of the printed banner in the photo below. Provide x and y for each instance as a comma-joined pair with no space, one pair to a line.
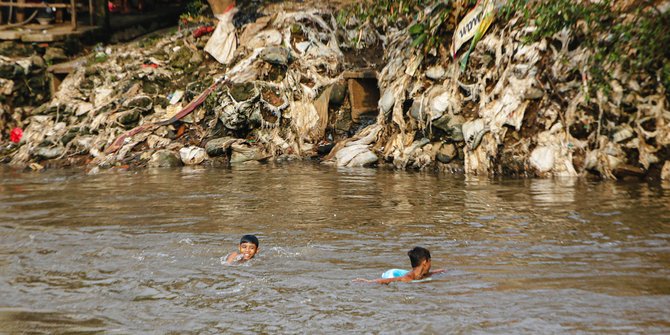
466,28
472,23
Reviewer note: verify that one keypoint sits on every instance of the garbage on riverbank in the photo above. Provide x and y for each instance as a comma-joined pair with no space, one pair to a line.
302,84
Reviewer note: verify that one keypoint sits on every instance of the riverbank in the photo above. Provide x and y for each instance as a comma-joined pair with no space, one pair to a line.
369,85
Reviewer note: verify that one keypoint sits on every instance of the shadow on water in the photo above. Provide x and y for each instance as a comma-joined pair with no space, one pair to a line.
141,251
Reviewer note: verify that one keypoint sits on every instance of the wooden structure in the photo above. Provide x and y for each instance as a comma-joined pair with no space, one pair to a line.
102,23
72,5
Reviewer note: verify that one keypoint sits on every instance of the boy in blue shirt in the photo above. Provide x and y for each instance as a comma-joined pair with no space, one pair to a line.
420,259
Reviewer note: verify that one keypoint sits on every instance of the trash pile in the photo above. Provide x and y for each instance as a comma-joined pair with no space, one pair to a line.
24,84
283,88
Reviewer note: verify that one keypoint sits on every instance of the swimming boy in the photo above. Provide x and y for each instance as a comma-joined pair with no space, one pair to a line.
420,259
248,249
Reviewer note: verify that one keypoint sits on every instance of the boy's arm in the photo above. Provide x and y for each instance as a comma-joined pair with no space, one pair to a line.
231,258
438,271
383,280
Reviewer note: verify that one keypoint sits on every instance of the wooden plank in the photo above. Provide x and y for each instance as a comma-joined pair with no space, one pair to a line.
73,14
91,18
360,74
33,5
11,34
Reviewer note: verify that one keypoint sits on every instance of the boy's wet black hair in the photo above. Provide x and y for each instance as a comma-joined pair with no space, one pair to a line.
249,239
418,255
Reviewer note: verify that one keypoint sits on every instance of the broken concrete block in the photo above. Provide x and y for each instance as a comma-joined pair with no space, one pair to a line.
446,153
363,93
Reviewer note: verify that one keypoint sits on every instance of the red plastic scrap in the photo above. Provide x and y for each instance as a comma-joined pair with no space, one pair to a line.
152,65
16,134
203,31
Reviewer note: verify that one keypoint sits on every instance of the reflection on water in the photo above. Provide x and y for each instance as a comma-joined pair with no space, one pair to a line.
131,252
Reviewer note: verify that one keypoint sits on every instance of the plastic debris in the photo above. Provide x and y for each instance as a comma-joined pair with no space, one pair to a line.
518,108
223,42
16,135
192,155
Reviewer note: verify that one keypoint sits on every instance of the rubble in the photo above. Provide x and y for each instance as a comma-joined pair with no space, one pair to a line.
512,104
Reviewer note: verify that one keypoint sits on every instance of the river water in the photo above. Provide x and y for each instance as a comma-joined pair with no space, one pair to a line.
140,252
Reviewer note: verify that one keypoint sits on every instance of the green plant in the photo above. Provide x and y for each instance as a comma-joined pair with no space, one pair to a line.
195,7
637,39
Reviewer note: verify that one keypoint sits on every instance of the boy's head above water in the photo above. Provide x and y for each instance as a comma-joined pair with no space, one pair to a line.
248,247
420,258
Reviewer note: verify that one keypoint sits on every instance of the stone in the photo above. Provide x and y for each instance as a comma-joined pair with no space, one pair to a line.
446,153
219,146
165,158
542,158
275,55
338,93
442,123
129,117
49,152
435,72
142,102
455,125
192,155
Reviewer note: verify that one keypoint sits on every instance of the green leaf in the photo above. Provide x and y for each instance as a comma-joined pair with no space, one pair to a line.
416,29
419,40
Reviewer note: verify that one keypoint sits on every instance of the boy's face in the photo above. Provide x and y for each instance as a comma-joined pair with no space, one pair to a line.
248,250
425,266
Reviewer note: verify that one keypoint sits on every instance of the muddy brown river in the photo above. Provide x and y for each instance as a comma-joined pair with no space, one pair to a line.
140,252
